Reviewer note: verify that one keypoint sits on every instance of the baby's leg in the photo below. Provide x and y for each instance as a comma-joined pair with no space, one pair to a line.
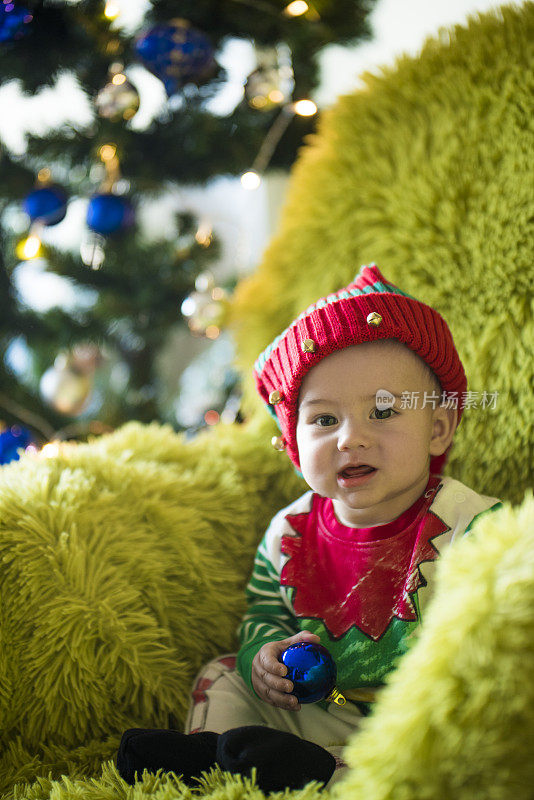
222,701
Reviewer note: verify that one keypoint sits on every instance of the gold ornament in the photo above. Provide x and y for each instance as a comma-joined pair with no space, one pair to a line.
68,385
206,307
271,84
374,318
275,397
119,99
278,443
308,346
65,388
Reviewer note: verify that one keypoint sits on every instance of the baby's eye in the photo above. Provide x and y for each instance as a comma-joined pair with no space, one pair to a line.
383,413
325,420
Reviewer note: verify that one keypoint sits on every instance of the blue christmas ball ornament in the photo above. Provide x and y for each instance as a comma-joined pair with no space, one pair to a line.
109,213
14,21
313,672
177,54
47,204
11,440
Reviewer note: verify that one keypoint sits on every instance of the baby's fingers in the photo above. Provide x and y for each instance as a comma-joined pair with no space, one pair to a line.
268,659
280,699
288,702
273,682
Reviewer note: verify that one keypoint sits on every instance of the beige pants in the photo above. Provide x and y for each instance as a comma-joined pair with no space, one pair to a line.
221,700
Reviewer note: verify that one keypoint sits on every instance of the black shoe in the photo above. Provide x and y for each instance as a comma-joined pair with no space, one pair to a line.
185,754
282,760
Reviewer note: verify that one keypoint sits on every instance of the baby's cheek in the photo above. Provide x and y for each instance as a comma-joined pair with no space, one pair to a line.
303,442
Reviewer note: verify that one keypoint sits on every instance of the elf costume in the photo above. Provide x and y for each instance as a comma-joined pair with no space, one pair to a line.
362,590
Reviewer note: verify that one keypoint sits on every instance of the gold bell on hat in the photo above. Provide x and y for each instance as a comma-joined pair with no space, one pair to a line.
278,443
308,346
374,318
275,397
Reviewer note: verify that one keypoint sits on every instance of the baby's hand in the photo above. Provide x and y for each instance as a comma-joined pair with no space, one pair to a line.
268,672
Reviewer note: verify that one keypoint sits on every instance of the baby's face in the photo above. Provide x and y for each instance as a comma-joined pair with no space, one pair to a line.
373,463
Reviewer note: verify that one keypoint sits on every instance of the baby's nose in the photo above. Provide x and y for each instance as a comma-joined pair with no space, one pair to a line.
352,435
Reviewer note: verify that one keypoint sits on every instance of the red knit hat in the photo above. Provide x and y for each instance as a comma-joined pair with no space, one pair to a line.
369,309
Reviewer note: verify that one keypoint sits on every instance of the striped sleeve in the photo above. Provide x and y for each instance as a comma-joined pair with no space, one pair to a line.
268,618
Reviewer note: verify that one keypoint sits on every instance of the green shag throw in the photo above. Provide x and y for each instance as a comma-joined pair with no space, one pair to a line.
123,565
456,720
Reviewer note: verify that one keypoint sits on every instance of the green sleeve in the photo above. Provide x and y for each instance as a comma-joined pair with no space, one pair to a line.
268,619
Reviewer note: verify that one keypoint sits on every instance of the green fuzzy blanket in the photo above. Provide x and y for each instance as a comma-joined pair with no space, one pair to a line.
123,567
117,583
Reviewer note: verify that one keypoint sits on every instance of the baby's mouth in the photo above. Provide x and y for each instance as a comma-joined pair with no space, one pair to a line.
353,472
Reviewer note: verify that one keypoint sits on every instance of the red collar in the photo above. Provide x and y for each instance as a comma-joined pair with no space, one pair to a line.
359,576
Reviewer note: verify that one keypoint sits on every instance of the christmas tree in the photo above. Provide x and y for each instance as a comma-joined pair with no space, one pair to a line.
68,372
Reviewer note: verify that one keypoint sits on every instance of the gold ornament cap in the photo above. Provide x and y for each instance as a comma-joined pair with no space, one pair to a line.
374,318
278,443
308,346
336,697
275,397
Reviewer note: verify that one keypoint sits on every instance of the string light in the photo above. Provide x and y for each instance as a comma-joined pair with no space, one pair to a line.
204,282
212,332
296,8
188,307
44,175
107,152
258,102
250,180
218,293
305,108
112,10
204,235
118,79
51,450
276,96
29,247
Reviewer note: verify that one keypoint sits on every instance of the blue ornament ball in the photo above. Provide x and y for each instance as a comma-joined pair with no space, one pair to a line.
109,213
176,53
312,670
11,440
47,204
14,21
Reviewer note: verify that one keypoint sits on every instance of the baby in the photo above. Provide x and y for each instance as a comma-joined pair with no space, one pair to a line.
368,389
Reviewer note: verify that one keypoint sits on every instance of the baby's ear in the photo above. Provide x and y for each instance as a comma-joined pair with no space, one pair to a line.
444,422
